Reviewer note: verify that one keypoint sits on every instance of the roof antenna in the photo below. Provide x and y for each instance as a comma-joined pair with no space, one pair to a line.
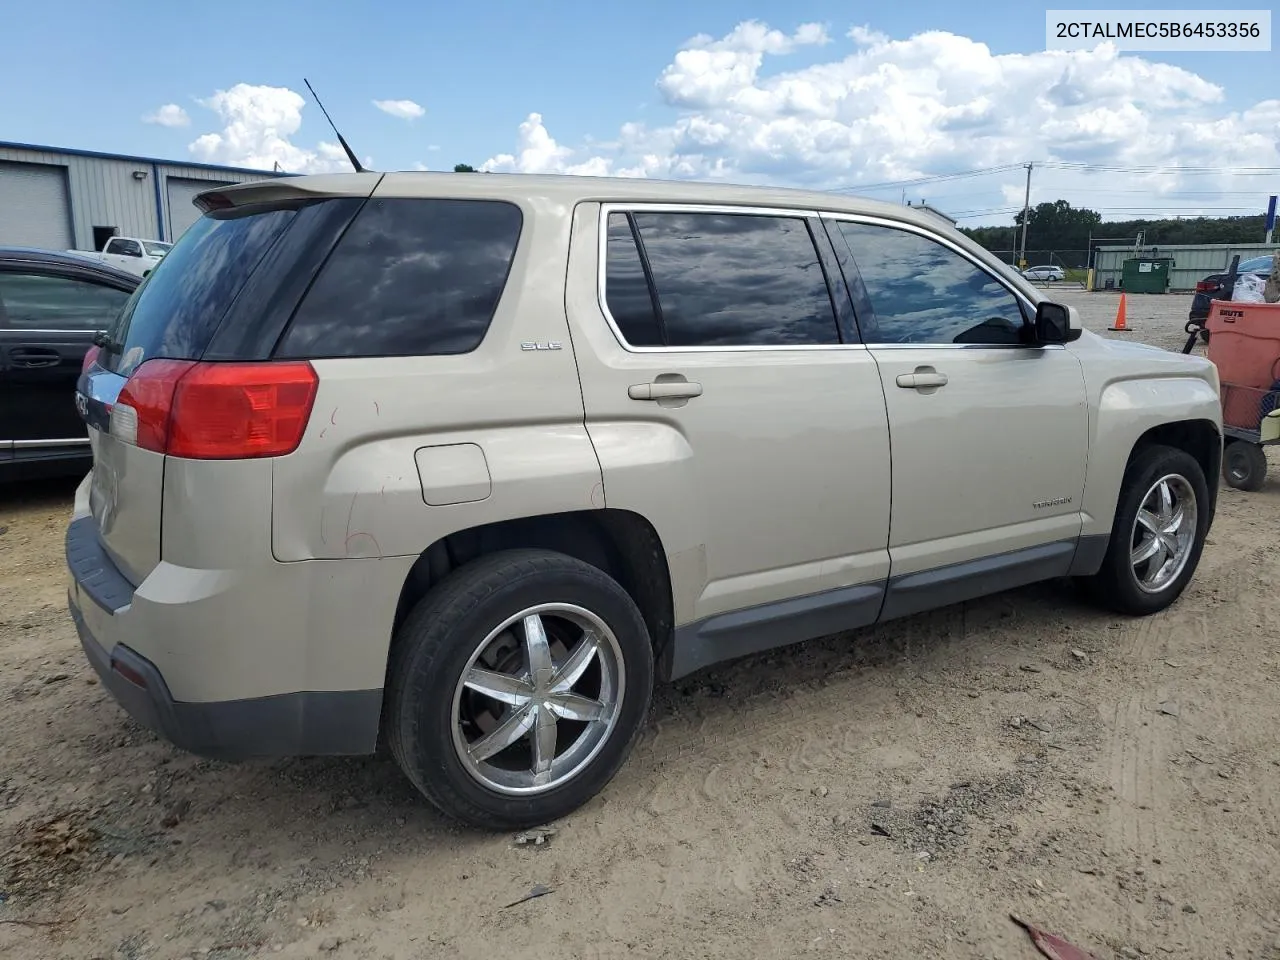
350,154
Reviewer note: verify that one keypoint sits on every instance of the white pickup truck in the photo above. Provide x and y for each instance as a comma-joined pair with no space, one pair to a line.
131,254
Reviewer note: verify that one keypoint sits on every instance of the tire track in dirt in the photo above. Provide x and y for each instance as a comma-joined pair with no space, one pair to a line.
1143,737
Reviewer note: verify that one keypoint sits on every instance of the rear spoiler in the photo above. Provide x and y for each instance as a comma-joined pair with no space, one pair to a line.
277,189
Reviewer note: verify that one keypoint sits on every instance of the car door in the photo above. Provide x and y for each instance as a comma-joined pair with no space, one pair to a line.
48,318
989,432
726,407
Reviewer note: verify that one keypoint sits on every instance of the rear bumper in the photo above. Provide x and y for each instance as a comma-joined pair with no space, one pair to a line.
106,609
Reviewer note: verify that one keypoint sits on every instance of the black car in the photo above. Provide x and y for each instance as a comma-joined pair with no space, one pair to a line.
1214,286
52,305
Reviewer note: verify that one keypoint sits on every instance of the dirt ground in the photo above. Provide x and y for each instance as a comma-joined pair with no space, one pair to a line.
895,793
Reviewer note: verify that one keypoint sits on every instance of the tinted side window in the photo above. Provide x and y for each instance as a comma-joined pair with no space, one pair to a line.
737,280
924,292
626,289
411,277
30,301
126,248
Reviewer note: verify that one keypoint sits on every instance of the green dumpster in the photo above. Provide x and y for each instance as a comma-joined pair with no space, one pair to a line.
1145,274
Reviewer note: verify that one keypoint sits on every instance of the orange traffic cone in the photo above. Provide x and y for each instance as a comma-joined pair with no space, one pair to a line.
1119,324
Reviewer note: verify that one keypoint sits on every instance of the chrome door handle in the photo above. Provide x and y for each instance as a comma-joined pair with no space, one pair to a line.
664,390
923,377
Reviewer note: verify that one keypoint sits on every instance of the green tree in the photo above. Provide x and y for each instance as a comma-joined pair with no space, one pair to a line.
463,168
1059,226
1067,230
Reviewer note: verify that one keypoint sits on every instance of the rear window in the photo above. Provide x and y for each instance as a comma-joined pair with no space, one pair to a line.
176,310
410,277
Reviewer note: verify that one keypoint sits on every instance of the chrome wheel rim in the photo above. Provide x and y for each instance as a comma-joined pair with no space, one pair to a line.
538,699
1164,533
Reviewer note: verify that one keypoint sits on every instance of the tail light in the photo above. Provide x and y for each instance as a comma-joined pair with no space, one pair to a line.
1206,286
216,411
90,358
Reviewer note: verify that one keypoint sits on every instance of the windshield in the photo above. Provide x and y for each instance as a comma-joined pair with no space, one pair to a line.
156,248
1257,263
176,310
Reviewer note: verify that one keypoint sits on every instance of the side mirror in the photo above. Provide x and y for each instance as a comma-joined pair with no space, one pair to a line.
1056,323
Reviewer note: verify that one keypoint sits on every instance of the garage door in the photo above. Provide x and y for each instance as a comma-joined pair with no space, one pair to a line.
182,212
35,210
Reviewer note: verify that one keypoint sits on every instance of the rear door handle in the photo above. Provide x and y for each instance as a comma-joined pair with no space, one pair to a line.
34,357
664,390
922,378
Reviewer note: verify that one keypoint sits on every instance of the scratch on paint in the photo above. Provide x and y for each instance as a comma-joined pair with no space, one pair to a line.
333,417
377,409
322,538
346,547
353,534
350,510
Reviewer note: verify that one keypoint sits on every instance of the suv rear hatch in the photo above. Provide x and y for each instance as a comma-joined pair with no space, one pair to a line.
196,331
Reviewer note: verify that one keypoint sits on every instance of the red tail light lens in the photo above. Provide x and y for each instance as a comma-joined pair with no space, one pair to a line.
141,411
1205,286
90,357
216,411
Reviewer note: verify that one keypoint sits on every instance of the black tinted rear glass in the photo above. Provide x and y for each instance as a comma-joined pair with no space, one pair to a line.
411,277
176,310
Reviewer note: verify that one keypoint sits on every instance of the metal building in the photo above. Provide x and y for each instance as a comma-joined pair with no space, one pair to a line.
1191,261
64,199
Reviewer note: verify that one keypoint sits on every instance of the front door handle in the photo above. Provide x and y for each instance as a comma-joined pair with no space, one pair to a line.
665,390
924,377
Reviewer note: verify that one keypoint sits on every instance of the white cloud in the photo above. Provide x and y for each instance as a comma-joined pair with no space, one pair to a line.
404,109
890,109
258,124
169,115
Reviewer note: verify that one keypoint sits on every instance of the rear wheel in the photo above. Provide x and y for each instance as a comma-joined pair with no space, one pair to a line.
1244,465
518,687
1158,533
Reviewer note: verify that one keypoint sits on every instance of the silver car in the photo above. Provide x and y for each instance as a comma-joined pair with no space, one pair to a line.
464,465
1045,273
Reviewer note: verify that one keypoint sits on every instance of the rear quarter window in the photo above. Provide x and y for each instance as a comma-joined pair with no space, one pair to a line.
411,277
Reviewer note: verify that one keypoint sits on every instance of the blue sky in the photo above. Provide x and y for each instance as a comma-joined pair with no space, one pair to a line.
588,70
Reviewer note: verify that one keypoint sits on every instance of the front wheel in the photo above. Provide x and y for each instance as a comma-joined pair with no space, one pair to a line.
518,687
1244,465
1158,533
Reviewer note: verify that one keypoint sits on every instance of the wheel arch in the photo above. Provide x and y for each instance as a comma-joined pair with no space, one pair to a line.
1199,436
1134,412
621,543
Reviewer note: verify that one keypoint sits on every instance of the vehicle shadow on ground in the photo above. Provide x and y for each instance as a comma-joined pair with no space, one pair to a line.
328,807
47,494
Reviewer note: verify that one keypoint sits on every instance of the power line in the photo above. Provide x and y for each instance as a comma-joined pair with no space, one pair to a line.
936,178
1162,169
1157,170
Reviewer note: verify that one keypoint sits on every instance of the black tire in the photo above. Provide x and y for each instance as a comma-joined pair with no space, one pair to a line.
1244,465
435,645
1116,584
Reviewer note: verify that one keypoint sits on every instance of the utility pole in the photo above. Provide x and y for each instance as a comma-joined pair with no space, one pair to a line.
1026,216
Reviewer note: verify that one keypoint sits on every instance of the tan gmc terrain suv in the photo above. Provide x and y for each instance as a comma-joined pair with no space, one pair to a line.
463,464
